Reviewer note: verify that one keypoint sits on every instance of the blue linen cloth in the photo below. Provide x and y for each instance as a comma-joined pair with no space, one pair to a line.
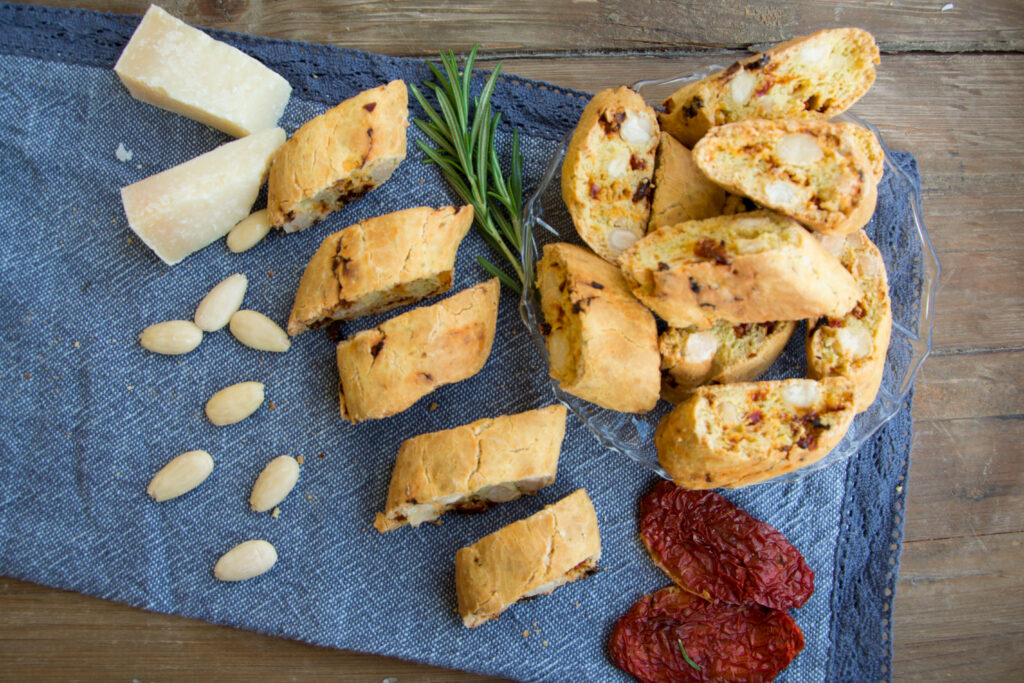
87,416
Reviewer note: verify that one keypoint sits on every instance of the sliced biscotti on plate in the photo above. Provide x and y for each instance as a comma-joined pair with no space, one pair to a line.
824,175
527,559
602,343
737,434
493,460
751,267
379,264
724,353
338,156
384,370
816,76
681,191
608,168
854,346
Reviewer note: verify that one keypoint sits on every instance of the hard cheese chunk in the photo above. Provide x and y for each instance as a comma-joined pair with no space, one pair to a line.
174,66
184,208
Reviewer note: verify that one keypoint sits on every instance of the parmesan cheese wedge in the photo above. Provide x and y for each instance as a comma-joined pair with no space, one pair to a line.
183,209
169,64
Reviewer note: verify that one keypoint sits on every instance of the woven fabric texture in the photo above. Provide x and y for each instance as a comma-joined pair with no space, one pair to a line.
88,416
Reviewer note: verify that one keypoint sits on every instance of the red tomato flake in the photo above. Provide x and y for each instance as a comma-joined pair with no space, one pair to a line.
715,550
728,642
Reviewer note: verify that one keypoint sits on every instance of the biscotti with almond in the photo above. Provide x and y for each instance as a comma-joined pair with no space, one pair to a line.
747,268
494,460
379,264
338,156
602,343
729,435
724,353
607,172
385,370
824,175
816,76
527,559
681,191
854,346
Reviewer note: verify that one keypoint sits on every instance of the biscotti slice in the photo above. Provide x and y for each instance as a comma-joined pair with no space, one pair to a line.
724,353
748,268
681,192
737,434
466,468
386,369
338,156
602,343
528,558
816,76
824,175
607,172
380,264
854,345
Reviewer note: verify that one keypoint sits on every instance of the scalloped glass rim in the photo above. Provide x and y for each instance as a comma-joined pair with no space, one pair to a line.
632,435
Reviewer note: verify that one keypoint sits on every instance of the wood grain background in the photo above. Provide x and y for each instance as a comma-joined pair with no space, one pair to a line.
950,89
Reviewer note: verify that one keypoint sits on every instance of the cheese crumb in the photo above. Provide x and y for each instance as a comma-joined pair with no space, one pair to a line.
122,153
276,513
948,6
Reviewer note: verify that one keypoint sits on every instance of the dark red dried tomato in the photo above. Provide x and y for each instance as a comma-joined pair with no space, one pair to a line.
709,249
728,642
715,550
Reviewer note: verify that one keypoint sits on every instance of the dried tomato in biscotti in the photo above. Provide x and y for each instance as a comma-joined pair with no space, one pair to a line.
715,550
722,642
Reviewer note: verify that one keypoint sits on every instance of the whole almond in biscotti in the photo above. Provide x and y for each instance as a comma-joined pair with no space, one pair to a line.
274,484
172,338
257,331
217,307
234,403
249,231
812,77
180,475
606,176
245,561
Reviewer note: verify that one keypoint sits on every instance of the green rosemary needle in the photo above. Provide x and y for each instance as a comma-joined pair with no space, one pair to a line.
686,656
464,132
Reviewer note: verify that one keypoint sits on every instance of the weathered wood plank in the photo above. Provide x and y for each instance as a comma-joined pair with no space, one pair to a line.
972,385
958,610
573,26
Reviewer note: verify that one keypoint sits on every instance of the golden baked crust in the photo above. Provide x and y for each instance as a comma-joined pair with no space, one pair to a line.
681,191
824,175
732,435
380,264
747,268
533,556
602,343
607,172
493,460
338,156
722,354
816,76
854,346
386,369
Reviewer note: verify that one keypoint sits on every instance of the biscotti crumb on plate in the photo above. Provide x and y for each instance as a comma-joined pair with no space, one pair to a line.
816,76
607,172
747,268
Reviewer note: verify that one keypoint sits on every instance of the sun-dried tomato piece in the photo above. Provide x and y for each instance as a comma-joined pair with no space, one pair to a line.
715,550
723,642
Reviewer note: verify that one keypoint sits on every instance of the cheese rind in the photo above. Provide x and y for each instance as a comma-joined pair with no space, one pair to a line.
183,209
172,65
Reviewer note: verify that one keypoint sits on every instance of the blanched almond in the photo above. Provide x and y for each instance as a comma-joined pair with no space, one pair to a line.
172,338
257,331
741,87
234,403
249,231
801,393
245,561
274,484
180,475
216,308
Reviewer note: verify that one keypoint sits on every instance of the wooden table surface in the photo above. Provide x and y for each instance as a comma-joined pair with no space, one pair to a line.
950,89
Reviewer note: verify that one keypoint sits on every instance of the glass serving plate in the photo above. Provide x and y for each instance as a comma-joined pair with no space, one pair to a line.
906,249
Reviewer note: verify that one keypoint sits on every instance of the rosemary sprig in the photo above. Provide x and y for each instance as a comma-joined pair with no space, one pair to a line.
464,132
686,656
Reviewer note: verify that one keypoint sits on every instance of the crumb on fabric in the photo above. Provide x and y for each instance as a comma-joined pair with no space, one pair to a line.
299,459
433,406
